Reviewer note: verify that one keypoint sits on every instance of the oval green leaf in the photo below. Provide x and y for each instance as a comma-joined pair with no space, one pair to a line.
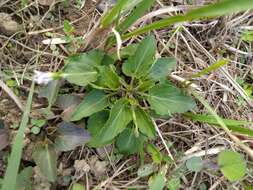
161,68
80,69
140,63
144,122
127,142
157,182
95,101
120,117
232,165
108,77
97,121
194,164
166,99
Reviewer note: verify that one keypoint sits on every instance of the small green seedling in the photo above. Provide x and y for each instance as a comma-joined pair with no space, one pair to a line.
36,125
247,36
13,85
74,43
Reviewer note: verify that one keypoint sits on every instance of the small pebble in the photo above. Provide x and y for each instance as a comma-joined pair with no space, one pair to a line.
105,5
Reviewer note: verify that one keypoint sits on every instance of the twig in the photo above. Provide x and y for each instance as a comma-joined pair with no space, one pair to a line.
201,153
12,95
163,141
230,48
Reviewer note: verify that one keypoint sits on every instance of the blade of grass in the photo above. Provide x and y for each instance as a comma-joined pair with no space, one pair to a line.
214,10
212,67
135,15
121,7
237,141
233,125
113,13
11,173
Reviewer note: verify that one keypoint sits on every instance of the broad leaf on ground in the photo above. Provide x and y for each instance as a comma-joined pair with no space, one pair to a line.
108,77
144,122
80,69
93,102
166,99
70,136
120,117
145,85
45,158
125,52
140,63
96,121
194,164
107,60
161,68
127,142
232,165
157,182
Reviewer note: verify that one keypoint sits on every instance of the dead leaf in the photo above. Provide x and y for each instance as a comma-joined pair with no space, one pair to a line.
70,136
98,168
81,168
40,182
68,103
7,25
